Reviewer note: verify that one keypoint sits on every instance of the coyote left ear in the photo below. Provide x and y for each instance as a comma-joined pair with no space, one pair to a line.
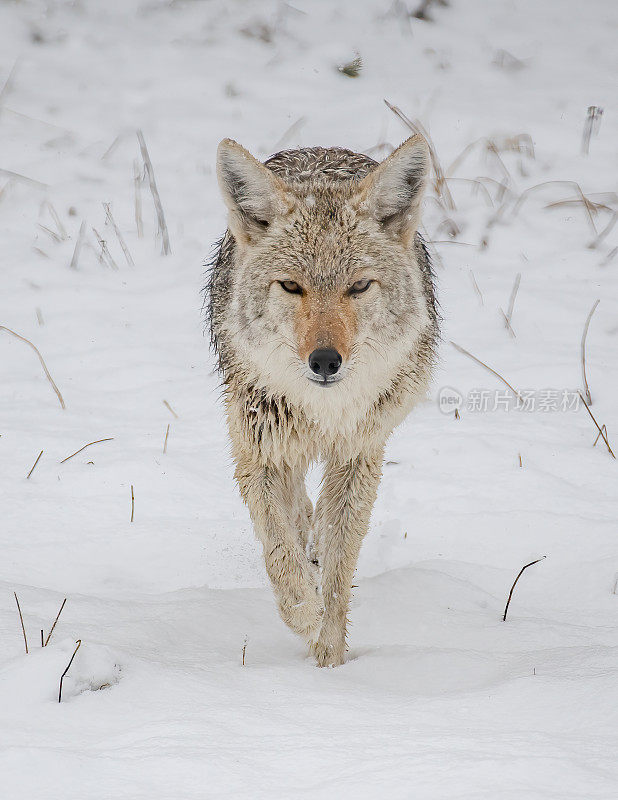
253,194
392,193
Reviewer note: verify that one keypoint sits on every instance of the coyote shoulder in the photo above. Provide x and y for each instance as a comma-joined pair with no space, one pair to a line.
324,320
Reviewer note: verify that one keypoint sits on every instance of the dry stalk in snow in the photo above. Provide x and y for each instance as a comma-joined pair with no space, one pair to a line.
132,503
110,219
21,619
487,367
476,288
583,351
602,431
105,255
165,247
591,125
167,433
137,185
79,642
440,184
54,215
169,408
55,621
34,465
78,245
49,377
521,572
97,441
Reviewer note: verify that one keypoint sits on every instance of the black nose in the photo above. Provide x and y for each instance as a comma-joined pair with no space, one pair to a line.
324,362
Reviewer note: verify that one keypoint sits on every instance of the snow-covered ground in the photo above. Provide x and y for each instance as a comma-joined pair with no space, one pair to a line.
439,697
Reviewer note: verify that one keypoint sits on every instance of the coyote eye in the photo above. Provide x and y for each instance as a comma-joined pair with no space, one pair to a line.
358,287
292,287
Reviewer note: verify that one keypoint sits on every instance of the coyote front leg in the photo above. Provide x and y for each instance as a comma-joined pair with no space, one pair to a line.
342,518
266,488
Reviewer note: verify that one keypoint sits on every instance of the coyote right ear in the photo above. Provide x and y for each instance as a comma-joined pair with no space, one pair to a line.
253,193
393,192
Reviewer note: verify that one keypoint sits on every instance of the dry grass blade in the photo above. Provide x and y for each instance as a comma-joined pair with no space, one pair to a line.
49,377
514,290
21,619
169,408
78,245
602,431
440,184
132,503
165,248
609,257
507,323
591,125
8,83
55,621
585,202
105,255
97,441
583,351
79,642
487,367
167,433
137,185
289,133
476,288
51,233
110,219
34,465
23,178
57,221
602,234
521,572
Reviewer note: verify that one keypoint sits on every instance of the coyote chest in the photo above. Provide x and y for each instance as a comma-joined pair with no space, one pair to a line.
323,317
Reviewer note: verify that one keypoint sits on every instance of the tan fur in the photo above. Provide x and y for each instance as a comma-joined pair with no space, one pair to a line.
323,219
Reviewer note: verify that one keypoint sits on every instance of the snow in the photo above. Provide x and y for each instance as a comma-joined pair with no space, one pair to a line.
439,697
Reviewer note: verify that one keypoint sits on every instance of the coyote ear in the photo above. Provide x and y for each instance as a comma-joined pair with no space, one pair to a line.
392,193
253,193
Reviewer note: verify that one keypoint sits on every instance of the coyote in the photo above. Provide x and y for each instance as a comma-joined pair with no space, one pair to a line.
323,316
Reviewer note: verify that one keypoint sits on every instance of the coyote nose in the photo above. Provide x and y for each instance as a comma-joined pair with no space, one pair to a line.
324,362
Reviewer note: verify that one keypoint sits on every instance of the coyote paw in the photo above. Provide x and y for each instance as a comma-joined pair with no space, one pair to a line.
304,611
328,655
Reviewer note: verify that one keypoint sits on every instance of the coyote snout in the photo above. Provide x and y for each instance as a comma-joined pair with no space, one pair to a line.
325,365
321,282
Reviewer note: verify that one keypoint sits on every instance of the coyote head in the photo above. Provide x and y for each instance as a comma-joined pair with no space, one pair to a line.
327,298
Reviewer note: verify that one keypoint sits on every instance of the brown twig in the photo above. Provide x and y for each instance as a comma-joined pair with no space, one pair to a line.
167,433
583,351
244,649
600,430
42,644
509,313
21,619
55,621
169,408
132,503
79,642
521,571
165,248
34,465
98,441
476,287
137,185
487,367
600,433
78,245
110,219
